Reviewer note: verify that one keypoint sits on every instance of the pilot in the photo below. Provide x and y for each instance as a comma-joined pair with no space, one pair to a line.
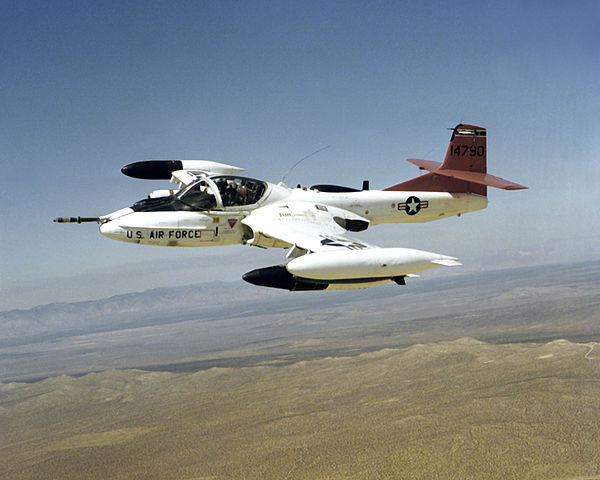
231,193
242,192
221,184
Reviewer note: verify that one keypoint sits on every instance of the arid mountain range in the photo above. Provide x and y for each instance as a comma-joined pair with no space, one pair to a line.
202,323
492,375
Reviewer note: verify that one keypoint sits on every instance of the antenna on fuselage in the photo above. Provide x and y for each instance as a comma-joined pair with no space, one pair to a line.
301,160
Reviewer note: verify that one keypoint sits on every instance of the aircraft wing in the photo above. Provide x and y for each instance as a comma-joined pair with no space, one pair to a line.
323,256
306,226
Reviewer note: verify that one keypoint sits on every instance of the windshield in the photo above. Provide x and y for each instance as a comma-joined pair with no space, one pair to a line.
199,196
238,191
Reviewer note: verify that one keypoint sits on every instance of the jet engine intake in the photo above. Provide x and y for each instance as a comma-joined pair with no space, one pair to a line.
352,225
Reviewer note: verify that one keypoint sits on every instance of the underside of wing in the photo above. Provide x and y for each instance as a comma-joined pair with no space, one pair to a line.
322,256
305,226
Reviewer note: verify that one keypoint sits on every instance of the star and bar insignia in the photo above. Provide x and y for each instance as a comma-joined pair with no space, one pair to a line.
413,205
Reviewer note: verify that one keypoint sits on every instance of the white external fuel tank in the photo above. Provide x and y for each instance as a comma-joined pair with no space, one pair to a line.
368,263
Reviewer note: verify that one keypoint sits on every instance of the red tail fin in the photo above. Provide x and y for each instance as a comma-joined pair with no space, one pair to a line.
464,169
467,149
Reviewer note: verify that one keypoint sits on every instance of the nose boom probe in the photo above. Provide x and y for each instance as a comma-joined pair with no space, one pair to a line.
77,219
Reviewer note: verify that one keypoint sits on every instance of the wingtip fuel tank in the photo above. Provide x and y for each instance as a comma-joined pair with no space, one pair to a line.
348,269
163,169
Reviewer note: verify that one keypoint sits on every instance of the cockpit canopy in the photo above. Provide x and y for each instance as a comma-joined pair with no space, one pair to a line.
208,193
239,191
200,195
222,191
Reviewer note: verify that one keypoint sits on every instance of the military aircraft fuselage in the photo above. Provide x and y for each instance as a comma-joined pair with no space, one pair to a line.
176,224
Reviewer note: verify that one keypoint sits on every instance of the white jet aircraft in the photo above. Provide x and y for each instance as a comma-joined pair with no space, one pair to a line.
214,205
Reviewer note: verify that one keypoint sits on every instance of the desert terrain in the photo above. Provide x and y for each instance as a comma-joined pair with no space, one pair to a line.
482,376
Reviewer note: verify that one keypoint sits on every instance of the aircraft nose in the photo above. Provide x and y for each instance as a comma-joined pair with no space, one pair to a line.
119,213
110,226
112,230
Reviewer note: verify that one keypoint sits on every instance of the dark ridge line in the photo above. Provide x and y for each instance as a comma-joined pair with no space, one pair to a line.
283,359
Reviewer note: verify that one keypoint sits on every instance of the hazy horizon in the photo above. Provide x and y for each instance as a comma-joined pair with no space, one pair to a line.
233,261
89,87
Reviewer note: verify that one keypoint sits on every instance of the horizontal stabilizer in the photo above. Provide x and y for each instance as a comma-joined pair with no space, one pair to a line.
480,178
464,169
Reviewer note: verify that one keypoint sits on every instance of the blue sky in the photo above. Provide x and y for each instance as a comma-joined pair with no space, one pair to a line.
87,87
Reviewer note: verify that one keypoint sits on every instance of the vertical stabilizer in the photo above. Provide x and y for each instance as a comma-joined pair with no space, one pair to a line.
467,149
464,169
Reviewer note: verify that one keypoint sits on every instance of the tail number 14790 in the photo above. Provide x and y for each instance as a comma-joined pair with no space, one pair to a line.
471,150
